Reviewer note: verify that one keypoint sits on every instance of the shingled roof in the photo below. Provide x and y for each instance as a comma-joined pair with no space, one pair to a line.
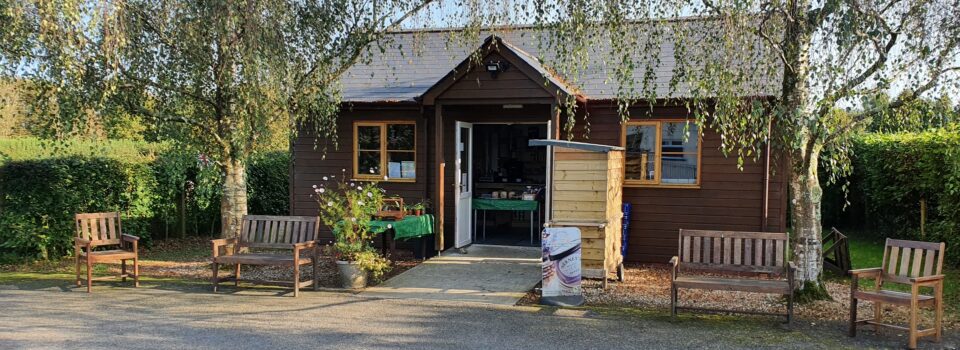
414,61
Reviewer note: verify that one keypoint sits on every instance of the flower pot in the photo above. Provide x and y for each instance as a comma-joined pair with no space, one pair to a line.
419,212
351,275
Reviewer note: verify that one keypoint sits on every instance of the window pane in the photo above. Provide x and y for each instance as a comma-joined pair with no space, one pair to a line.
678,168
678,143
368,137
400,137
679,137
400,165
368,163
640,144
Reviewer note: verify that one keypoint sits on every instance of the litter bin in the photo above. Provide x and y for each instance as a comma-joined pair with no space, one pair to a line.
627,208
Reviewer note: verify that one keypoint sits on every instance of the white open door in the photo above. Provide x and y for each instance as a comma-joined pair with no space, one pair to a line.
548,196
464,183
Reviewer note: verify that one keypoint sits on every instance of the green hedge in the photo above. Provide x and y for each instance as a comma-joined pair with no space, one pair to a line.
38,199
268,177
162,192
893,173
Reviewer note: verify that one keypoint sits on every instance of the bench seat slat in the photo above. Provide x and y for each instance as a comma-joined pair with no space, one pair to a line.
261,259
894,297
732,284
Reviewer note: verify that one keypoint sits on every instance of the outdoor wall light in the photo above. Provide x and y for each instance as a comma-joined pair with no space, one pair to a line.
495,67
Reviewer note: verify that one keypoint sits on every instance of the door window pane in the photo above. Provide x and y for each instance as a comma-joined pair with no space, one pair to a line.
464,160
641,151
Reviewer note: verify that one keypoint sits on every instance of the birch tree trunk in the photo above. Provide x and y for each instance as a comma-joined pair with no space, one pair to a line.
233,203
805,196
804,151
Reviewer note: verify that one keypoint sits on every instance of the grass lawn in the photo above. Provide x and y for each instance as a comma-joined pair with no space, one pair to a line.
180,262
867,252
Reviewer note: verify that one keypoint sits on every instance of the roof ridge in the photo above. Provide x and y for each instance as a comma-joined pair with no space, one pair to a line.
534,26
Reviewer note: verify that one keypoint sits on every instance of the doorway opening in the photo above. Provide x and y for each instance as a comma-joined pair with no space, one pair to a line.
507,182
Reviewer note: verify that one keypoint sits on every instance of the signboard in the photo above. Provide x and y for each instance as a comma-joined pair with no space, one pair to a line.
561,267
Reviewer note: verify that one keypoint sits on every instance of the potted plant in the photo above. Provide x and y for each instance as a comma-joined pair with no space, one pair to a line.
419,208
347,208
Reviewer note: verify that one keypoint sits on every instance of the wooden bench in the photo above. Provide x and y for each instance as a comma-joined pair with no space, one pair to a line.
260,239
914,264
95,230
753,262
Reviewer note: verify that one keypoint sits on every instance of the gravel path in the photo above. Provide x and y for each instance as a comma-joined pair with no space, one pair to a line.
648,287
54,315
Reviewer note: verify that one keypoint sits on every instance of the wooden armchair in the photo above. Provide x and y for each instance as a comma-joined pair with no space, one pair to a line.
911,263
96,230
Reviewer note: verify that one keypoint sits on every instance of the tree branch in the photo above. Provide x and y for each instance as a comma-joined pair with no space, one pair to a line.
882,49
899,102
358,49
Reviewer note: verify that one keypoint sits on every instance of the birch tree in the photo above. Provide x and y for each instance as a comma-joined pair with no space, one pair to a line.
810,57
216,73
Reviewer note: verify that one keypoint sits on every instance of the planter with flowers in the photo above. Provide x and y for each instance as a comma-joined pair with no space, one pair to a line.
347,207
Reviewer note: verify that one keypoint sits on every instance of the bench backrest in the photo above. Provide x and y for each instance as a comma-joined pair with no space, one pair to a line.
734,251
265,231
99,228
903,260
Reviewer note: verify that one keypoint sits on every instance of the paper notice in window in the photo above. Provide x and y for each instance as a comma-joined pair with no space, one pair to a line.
408,169
394,170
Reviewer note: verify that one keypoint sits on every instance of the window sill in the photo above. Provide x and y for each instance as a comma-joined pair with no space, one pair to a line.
380,179
662,186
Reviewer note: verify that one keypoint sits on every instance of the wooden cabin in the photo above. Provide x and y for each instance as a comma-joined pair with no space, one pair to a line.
444,129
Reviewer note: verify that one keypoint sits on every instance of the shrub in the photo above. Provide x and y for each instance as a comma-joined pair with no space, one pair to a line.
158,189
268,176
894,172
38,199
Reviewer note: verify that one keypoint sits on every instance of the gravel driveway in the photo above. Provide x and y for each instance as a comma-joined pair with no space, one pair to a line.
175,317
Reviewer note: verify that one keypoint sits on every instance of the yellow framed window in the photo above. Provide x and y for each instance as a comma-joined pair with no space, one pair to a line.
385,150
662,153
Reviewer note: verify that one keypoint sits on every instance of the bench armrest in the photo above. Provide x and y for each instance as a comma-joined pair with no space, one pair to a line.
131,239
308,244
866,273
927,279
81,242
217,243
791,271
674,267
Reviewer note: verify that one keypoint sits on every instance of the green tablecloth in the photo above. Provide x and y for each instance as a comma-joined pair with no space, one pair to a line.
411,226
505,204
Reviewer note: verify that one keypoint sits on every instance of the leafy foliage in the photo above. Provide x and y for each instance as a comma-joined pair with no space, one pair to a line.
213,76
916,114
894,172
29,148
348,206
268,176
157,189
38,199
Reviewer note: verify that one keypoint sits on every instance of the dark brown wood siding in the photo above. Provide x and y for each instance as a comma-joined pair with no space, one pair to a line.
728,198
311,165
479,84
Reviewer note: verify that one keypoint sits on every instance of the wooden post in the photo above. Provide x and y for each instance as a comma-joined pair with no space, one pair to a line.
438,160
923,218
